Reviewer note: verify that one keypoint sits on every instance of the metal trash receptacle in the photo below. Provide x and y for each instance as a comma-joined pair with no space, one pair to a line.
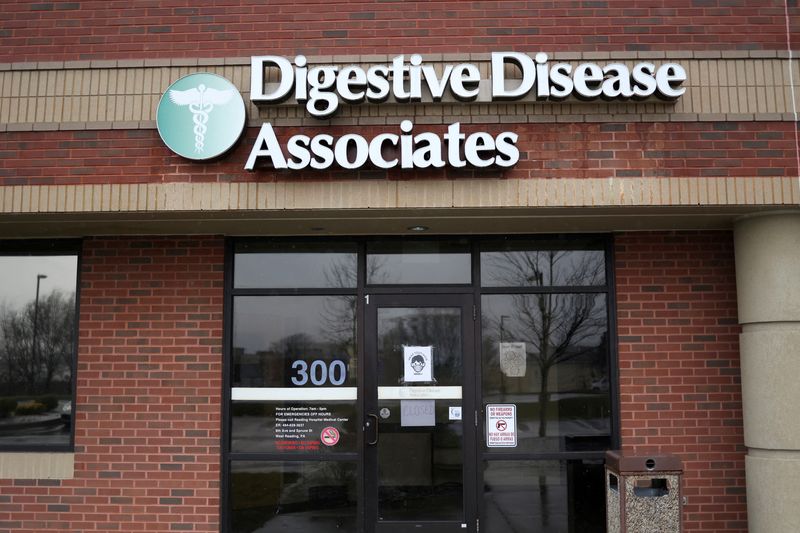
643,493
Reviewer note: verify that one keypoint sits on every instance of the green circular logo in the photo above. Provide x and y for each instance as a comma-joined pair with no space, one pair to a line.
200,116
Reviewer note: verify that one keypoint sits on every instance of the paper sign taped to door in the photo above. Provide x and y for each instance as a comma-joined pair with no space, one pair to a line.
417,364
417,413
512,359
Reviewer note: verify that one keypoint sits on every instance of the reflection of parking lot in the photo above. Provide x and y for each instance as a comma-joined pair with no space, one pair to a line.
545,496
46,428
39,430
591,418
513,511
318,521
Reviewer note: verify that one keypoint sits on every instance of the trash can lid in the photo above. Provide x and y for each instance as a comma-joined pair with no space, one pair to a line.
629,462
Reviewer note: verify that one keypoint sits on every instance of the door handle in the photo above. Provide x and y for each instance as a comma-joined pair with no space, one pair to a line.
367,424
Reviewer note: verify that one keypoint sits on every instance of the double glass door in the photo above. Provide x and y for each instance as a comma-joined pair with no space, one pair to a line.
419,414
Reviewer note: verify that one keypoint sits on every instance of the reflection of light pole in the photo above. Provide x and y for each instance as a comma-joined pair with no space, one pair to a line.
34,350
502,340
503,327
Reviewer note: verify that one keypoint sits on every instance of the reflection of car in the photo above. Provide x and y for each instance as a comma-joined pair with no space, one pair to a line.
600,384
66,414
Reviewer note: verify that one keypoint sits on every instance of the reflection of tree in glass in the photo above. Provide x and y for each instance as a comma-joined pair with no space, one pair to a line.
437,327
339,313
544,267
557,327
46,369
338,328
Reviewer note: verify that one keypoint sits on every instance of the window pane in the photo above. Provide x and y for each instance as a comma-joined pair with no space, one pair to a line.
295,265
272,333
420,466
523,264
317,496
37,334
294,374
418,262
437,327
547,354
544,496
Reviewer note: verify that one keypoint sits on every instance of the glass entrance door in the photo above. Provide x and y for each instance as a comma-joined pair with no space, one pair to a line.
419,424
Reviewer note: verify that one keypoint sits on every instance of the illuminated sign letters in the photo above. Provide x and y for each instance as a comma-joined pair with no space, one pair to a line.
322,89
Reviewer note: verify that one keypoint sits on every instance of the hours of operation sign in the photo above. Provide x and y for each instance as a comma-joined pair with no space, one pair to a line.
501,425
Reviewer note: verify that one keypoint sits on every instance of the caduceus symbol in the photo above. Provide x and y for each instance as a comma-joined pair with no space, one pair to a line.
201,100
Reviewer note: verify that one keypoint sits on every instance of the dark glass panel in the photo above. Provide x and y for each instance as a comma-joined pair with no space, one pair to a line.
529,264
318,496
544,497
420,453
420,467
438,327
547,354
272,333
37,336
418,262
295,265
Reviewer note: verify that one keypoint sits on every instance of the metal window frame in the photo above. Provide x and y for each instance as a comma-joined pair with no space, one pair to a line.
603,242
49,247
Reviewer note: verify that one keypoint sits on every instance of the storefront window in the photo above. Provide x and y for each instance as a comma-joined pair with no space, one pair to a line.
509,405
545,495
547,355
418,262
37,348
292,448
546,384
295,265
547,264
294,496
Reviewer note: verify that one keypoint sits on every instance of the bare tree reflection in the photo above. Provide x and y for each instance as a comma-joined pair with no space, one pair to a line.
436,327
46,369
556,327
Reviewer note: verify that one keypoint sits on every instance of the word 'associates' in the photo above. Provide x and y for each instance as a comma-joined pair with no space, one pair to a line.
386,150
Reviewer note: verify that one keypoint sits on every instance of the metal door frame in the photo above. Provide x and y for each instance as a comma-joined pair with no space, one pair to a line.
369,384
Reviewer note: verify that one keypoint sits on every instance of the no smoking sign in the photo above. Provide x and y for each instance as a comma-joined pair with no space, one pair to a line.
329,436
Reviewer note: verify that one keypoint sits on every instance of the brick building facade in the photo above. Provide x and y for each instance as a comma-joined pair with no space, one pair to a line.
694,202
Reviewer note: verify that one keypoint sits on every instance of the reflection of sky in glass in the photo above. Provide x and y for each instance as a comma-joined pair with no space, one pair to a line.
401,269
260,322
422,262
504,310
18,277
526,268
289,270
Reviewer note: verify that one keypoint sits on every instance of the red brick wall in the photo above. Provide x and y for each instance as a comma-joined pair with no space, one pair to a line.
147,423
679,366
149,381
661,149
105,29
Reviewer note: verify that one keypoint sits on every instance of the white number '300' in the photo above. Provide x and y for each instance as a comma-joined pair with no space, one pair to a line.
320,373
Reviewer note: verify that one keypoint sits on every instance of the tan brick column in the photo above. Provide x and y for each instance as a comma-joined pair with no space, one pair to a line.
768,286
